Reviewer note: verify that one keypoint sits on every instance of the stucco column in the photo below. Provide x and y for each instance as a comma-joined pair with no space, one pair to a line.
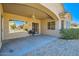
0,25
64,24
59,24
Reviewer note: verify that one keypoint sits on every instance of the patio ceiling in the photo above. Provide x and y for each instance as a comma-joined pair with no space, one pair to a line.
43,8
24,10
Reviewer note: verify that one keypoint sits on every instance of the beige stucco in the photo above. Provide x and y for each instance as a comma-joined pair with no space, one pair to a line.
43,8
9,16
50,11
44,28
1,11
67,18
0,25
56,8
24,10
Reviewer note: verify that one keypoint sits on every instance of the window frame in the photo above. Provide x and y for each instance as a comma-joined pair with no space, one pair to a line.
51,25
19,30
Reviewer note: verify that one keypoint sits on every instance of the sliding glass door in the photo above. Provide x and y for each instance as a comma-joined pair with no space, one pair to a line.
35,28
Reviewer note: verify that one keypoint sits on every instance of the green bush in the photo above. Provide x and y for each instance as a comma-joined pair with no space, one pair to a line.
69,33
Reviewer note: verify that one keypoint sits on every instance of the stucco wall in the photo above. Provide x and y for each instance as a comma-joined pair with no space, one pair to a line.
56,8
8,35
0,24
44,28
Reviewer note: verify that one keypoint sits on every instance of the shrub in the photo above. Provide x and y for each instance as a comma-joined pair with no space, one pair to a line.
69,33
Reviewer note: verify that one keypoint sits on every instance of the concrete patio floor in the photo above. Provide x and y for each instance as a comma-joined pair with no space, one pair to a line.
41,45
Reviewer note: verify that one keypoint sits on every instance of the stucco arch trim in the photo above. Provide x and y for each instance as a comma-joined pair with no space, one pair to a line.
44,9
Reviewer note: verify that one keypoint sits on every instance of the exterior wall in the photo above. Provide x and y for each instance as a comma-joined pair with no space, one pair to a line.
56,8
66,24
0,24
68,19
44,28
8,35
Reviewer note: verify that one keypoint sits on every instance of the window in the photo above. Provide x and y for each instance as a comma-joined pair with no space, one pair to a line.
62,24
17,26
51,25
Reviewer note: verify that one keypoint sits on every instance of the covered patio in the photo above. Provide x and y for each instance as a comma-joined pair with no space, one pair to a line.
24,45
18,19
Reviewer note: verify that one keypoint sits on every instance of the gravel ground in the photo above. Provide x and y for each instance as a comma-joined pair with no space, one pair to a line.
40,46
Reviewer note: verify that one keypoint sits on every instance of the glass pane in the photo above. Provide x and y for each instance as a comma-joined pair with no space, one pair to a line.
17,26
51,25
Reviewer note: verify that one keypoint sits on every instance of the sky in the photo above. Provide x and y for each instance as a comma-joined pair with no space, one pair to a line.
19,23
73,8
